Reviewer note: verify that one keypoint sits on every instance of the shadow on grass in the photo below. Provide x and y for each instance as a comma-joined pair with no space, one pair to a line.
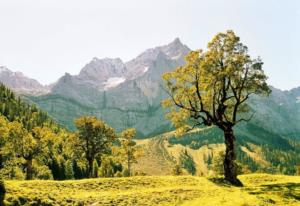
220,181
285,190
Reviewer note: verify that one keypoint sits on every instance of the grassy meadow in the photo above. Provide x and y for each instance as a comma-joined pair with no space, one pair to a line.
259,189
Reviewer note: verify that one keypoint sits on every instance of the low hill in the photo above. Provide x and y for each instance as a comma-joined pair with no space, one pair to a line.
271,153
260,189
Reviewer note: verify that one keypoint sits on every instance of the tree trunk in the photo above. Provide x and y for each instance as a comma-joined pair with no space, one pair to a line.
2,192
230,170
90,167
29,169
1,161
129,166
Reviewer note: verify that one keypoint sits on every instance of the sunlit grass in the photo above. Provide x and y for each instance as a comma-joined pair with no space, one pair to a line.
260,189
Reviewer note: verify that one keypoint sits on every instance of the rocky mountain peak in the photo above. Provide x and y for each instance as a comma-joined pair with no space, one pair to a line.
18,82
102,69
175,49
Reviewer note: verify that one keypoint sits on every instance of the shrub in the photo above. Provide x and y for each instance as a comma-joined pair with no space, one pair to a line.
126,173
139,173
187,162
44,173
107,168
11,170
118,174
177,170
69,170
298,170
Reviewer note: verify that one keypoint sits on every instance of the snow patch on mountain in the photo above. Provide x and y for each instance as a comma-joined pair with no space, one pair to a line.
176,57
146,69
113,82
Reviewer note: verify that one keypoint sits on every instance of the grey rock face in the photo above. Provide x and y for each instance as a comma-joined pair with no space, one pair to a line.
100,70
20,83
175,52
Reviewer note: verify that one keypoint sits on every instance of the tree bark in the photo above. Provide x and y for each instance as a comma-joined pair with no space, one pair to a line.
90,167
128,166
2,192
1,161
230,170
29,169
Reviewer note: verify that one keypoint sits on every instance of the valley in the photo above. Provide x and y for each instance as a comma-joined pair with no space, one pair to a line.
106,137
149,103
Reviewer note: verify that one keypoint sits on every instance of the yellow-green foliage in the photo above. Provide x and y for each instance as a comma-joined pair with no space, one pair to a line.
95,138
129,150
260,189
213,87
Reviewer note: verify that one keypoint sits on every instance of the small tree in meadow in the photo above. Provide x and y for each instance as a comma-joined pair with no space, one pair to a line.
129,149
95,139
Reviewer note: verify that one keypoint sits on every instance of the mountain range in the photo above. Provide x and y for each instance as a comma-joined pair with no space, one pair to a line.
128,94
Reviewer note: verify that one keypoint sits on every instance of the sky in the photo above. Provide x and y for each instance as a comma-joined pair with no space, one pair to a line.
46,38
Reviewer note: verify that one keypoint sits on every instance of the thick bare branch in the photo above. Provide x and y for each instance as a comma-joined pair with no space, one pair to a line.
245,120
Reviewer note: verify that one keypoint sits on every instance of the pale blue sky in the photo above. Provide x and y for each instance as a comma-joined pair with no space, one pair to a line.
46,38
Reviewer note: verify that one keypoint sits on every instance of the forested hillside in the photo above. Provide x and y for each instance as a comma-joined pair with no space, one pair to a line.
34,146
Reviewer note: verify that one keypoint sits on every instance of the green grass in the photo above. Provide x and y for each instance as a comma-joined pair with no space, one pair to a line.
260,189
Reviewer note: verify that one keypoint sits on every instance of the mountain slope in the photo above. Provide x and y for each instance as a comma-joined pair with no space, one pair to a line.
123,94
279,113
20,83
272,153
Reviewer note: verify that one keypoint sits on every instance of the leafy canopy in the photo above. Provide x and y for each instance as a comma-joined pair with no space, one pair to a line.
129,148
213,86
95,134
